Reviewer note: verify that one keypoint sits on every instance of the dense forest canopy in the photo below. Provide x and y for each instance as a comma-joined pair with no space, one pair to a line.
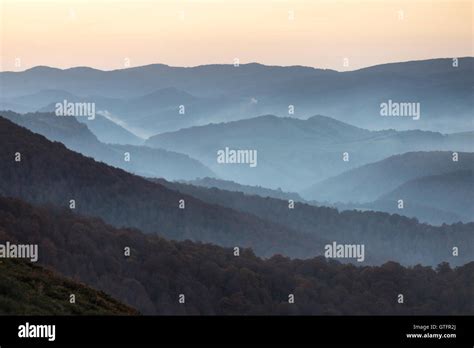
214,280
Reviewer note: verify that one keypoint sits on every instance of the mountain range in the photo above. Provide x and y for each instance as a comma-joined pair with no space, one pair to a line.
49,173
362,187
147,98
218,189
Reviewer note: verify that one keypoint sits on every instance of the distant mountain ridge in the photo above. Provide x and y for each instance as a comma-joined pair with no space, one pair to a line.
224,93
371,181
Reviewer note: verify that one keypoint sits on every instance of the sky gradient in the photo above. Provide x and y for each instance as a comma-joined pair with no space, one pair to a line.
340,35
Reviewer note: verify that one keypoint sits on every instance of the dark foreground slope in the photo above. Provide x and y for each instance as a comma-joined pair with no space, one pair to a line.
215,281
27,289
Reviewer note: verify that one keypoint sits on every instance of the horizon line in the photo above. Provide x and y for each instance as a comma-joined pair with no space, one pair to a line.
229,64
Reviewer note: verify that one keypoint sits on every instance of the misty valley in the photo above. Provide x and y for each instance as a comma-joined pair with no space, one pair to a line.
167,191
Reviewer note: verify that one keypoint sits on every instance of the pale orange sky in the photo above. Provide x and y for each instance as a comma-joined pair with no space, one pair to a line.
108,34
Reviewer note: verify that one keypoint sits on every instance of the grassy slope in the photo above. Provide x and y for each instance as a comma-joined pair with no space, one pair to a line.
27,289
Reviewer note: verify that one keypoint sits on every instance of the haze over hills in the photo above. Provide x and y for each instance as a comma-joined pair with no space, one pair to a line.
371,181
222,93
34,101
231,229
337,161
213,280
294,154
339,183
451,192
142,160
102,126
49,173
201,81
108,131
161,110
353,189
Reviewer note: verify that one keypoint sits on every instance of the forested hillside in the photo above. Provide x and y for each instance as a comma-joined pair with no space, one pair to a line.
214,280
50,173
387,237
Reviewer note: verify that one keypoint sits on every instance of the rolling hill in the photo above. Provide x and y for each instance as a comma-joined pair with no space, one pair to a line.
370,182
294,154
108,131
142,160
149,114
45,100
451,192
248,190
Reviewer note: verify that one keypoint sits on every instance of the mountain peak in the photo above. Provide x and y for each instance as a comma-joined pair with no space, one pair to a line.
41,69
